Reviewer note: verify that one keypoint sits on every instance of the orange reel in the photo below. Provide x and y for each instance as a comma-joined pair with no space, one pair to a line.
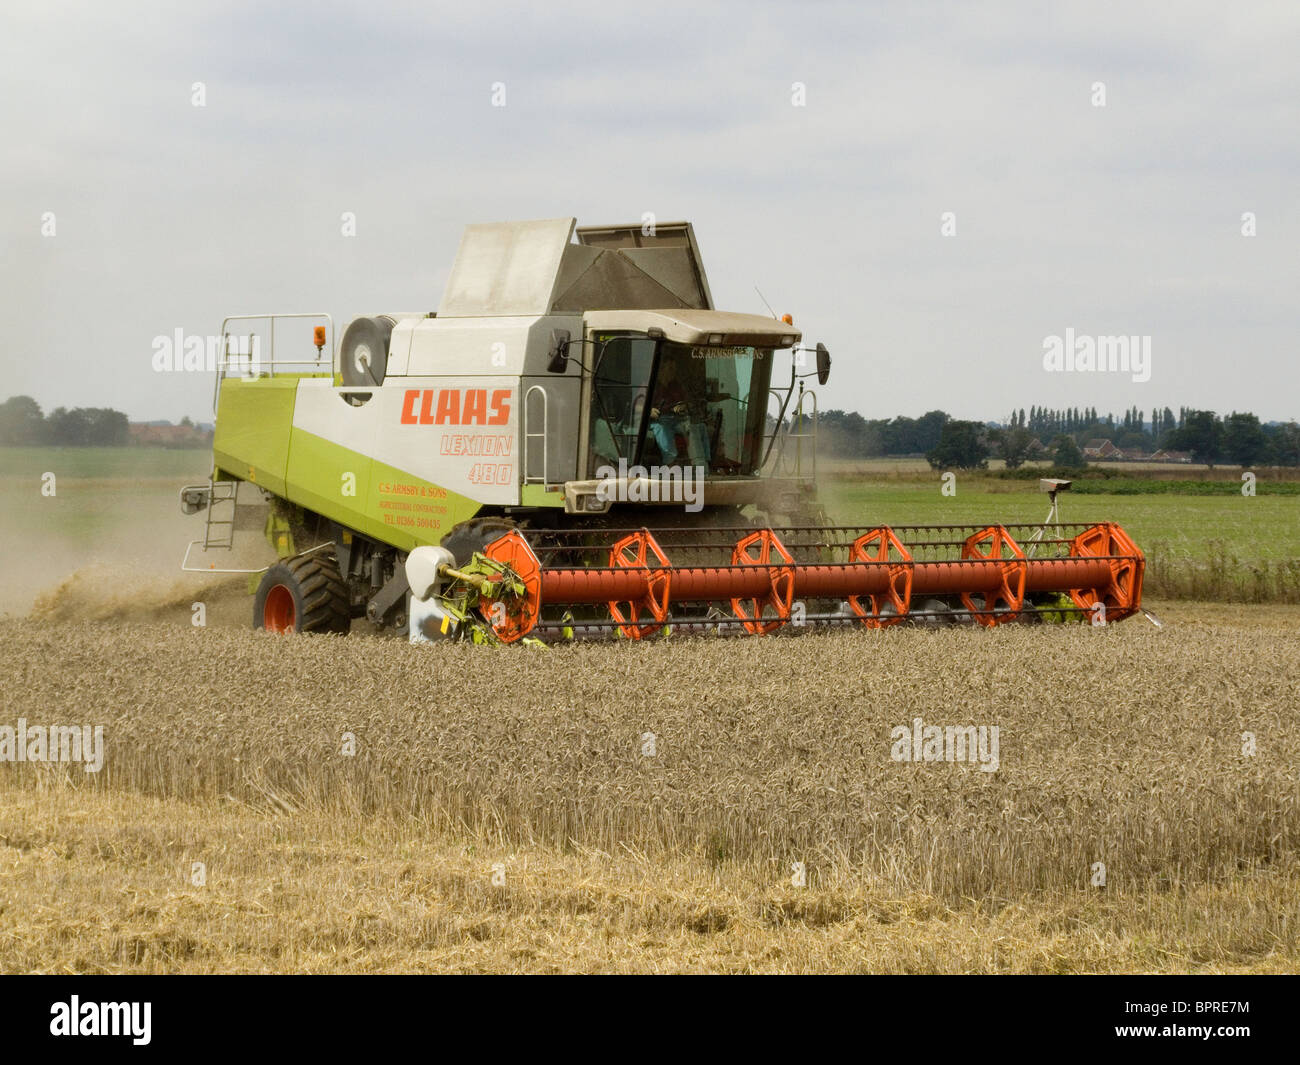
513,619
1123,596
995,543
632,552
875,546
757,549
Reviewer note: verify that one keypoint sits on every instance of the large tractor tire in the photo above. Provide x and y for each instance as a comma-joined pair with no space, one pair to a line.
303,594
474,535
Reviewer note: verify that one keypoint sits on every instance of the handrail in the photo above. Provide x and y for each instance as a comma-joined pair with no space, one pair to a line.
254,366
778,459
811,435
773,442
544,435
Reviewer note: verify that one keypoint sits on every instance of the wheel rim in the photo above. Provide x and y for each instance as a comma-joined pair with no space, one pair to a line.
278,613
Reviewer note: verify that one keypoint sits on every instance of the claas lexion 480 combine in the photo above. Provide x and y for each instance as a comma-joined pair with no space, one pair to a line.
577,444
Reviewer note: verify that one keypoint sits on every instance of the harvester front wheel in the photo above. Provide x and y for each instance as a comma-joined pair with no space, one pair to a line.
302,594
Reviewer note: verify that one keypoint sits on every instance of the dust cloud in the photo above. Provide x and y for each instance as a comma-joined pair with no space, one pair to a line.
106,550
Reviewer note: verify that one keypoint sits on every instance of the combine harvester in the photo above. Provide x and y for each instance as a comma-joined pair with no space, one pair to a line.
578,444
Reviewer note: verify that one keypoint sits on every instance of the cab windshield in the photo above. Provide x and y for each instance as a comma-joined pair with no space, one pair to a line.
657,403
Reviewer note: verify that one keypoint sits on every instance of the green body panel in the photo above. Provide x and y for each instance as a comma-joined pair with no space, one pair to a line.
256,441
254,422
433,509
319,475
390,505
536,495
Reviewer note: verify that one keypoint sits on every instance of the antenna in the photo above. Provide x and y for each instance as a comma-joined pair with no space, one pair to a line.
765,303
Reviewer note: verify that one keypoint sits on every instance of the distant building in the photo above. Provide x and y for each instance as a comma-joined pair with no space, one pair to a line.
1101,449
1165,455
164,434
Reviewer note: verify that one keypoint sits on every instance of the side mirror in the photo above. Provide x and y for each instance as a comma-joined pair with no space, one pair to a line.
559,353
823,363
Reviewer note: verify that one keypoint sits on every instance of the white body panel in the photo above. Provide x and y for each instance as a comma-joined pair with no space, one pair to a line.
479,346
461,433
399,347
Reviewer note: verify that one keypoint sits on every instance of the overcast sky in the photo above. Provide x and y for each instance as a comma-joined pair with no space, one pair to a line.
1116,219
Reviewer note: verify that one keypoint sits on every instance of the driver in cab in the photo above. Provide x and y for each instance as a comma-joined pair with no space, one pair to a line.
671,415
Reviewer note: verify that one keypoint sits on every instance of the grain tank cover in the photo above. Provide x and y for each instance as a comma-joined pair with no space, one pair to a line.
534,268
506,268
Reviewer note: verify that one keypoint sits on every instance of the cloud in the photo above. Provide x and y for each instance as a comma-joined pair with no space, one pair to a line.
1117,219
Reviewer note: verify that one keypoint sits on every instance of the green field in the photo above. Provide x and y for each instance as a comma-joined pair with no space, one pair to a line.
112,462
95,490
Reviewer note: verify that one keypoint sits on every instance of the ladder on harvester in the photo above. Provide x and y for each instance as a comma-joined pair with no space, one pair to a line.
218,531
218,500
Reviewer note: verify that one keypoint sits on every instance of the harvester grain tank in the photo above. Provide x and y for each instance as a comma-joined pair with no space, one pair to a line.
578,443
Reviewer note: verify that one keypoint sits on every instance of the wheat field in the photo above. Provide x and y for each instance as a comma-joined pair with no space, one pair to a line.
360,804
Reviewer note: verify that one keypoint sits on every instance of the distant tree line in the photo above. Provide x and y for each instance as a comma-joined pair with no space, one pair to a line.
850,435
1059,436
23,423
1238,438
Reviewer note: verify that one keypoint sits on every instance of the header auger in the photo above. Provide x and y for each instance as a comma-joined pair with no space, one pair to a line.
577,444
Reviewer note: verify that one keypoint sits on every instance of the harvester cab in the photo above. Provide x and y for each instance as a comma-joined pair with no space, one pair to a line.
579,443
